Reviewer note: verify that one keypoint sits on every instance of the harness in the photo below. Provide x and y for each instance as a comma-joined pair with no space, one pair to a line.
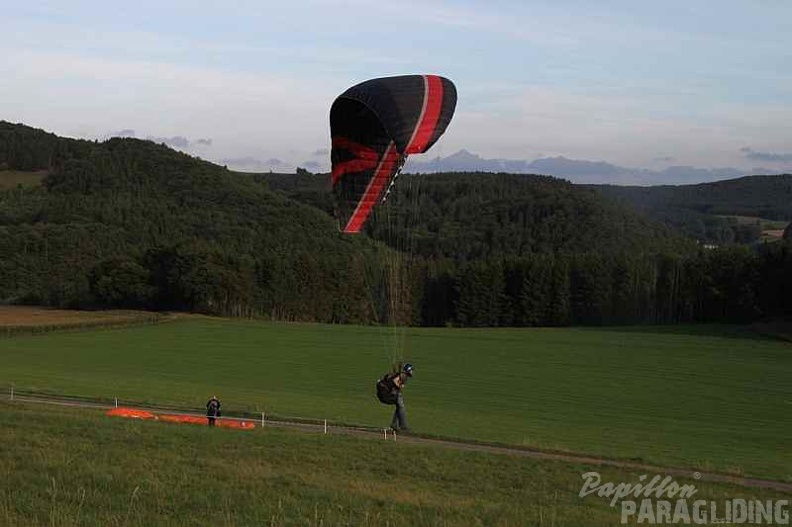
387,392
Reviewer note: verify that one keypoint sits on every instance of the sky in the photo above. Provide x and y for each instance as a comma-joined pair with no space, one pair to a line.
250,83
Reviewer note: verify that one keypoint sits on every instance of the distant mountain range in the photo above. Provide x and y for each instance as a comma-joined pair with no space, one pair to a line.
578,171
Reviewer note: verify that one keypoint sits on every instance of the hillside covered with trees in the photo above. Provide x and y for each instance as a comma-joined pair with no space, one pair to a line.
129,223
470,216
722,212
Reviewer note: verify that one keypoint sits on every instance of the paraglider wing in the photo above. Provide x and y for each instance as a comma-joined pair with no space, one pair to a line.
374,125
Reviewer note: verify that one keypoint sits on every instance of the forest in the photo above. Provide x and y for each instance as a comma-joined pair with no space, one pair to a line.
134,224
723,212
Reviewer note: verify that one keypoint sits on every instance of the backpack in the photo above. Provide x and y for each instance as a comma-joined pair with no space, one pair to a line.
386,389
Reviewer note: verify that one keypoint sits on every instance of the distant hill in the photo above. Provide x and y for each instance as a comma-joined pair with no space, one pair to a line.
723,212
574,170
24,148
129,223
467,216
709,211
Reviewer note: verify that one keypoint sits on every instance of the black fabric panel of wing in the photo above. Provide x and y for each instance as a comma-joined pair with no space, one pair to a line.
373,126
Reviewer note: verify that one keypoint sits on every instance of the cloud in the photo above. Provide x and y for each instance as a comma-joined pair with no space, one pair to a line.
123,133
146,95
312,165
176,141
179,141
578,171
321,152
247,161
248,111
766,156
620,125
275,162
251,163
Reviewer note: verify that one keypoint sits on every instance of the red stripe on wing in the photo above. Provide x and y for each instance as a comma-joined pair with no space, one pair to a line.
433,103
374,190
366,158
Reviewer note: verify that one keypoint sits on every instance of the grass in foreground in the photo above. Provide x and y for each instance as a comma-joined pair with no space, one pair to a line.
65,466
709,397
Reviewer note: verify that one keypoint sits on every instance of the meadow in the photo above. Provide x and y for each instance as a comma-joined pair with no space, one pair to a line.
710,397
68,466
21,179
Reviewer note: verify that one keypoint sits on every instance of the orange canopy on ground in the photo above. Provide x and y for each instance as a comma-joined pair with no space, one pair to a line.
132,412
180,418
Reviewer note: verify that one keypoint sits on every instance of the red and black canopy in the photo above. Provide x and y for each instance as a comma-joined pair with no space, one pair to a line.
374,126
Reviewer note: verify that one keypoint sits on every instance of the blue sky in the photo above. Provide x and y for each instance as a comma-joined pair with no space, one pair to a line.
639,84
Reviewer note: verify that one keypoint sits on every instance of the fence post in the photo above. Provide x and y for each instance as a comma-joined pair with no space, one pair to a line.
325,426
262,419
12,393
116,401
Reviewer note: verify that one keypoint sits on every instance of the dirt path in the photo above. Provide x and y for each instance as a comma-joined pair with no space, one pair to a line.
373,433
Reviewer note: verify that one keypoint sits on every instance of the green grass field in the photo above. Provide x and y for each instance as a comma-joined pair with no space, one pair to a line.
65,467
716,398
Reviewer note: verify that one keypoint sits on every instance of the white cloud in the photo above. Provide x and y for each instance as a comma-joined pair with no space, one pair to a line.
244,113
623,82
620,129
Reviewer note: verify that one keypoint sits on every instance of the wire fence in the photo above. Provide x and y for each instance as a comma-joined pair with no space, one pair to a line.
261,418
327,426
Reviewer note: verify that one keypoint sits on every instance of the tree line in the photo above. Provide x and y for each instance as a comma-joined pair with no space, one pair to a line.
128,223
736,284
